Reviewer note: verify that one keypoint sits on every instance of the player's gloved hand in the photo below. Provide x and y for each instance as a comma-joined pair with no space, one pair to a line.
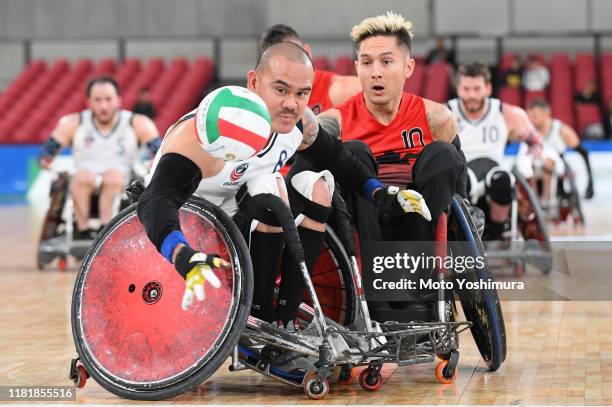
394,201
589,190
197,269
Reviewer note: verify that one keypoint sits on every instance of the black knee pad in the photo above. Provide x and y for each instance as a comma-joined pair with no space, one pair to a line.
500,186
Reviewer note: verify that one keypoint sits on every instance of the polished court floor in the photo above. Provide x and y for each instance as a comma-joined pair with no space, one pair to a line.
559,352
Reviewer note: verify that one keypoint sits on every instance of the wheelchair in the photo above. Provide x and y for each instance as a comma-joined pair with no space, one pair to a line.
56,236
526,239
132,338
565,202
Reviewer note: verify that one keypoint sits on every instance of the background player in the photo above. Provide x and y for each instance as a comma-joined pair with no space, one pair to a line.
485,125
557,137
328,88
105,142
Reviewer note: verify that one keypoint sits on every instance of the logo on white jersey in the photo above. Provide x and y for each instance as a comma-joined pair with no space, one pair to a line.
238,172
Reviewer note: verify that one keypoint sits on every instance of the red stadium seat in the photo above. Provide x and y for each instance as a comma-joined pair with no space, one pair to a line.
586,114
415,84
344,66
321,63
584,71
561,89
531,95
438,82
510,95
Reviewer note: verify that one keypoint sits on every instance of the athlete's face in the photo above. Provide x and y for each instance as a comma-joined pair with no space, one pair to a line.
539,116
473,90
285,87
382,67
104,102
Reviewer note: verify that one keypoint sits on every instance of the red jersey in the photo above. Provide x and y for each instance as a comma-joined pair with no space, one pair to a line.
393,145
319,97
408,132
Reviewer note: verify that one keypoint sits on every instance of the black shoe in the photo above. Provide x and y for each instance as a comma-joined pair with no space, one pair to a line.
81,234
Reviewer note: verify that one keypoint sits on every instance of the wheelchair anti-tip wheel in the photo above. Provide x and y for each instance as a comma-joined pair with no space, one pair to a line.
482,308
129,329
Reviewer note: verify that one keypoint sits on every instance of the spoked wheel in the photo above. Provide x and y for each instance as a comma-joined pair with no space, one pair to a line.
532,223
332,279
129,329
481,307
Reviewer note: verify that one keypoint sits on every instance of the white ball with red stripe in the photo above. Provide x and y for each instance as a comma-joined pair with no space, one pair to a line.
233,123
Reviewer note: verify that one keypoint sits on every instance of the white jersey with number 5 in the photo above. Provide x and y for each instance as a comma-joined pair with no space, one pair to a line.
97,152
485,137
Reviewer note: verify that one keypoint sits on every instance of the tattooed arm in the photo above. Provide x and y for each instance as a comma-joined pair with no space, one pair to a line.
327,122
442,122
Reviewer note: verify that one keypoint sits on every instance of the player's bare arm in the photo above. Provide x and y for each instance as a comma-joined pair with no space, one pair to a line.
442,122
144,128
343,87
519,126
329,121
60,137
65,129
569,136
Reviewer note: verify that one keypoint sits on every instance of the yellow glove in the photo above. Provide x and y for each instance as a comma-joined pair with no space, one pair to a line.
197,269
412,201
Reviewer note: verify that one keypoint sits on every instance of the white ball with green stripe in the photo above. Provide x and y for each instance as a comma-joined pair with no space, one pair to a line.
233,123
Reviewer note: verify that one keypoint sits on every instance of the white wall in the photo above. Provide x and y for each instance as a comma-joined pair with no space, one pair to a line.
470,16
550,16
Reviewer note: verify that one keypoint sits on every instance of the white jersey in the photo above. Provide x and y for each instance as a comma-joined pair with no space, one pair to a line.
221,189
97,152
485,137
553,137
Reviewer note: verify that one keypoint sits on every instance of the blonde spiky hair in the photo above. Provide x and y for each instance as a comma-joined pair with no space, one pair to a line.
390,23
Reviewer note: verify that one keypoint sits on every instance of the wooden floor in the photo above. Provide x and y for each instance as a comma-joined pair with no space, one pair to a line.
558,352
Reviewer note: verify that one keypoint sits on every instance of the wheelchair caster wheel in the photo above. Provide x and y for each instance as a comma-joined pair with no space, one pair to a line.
313,387
370,380
348,374
443,375
62,263
81,376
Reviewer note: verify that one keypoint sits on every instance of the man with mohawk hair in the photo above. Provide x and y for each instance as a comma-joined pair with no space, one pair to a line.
406,139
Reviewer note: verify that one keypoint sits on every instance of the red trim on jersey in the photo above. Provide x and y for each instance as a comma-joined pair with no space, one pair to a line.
319,97
407,133
241,134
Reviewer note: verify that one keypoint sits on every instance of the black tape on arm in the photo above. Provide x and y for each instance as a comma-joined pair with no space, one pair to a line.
50,148
175,179
327,152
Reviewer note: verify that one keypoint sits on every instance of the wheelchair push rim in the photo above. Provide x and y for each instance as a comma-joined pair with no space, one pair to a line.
128,326
482,310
